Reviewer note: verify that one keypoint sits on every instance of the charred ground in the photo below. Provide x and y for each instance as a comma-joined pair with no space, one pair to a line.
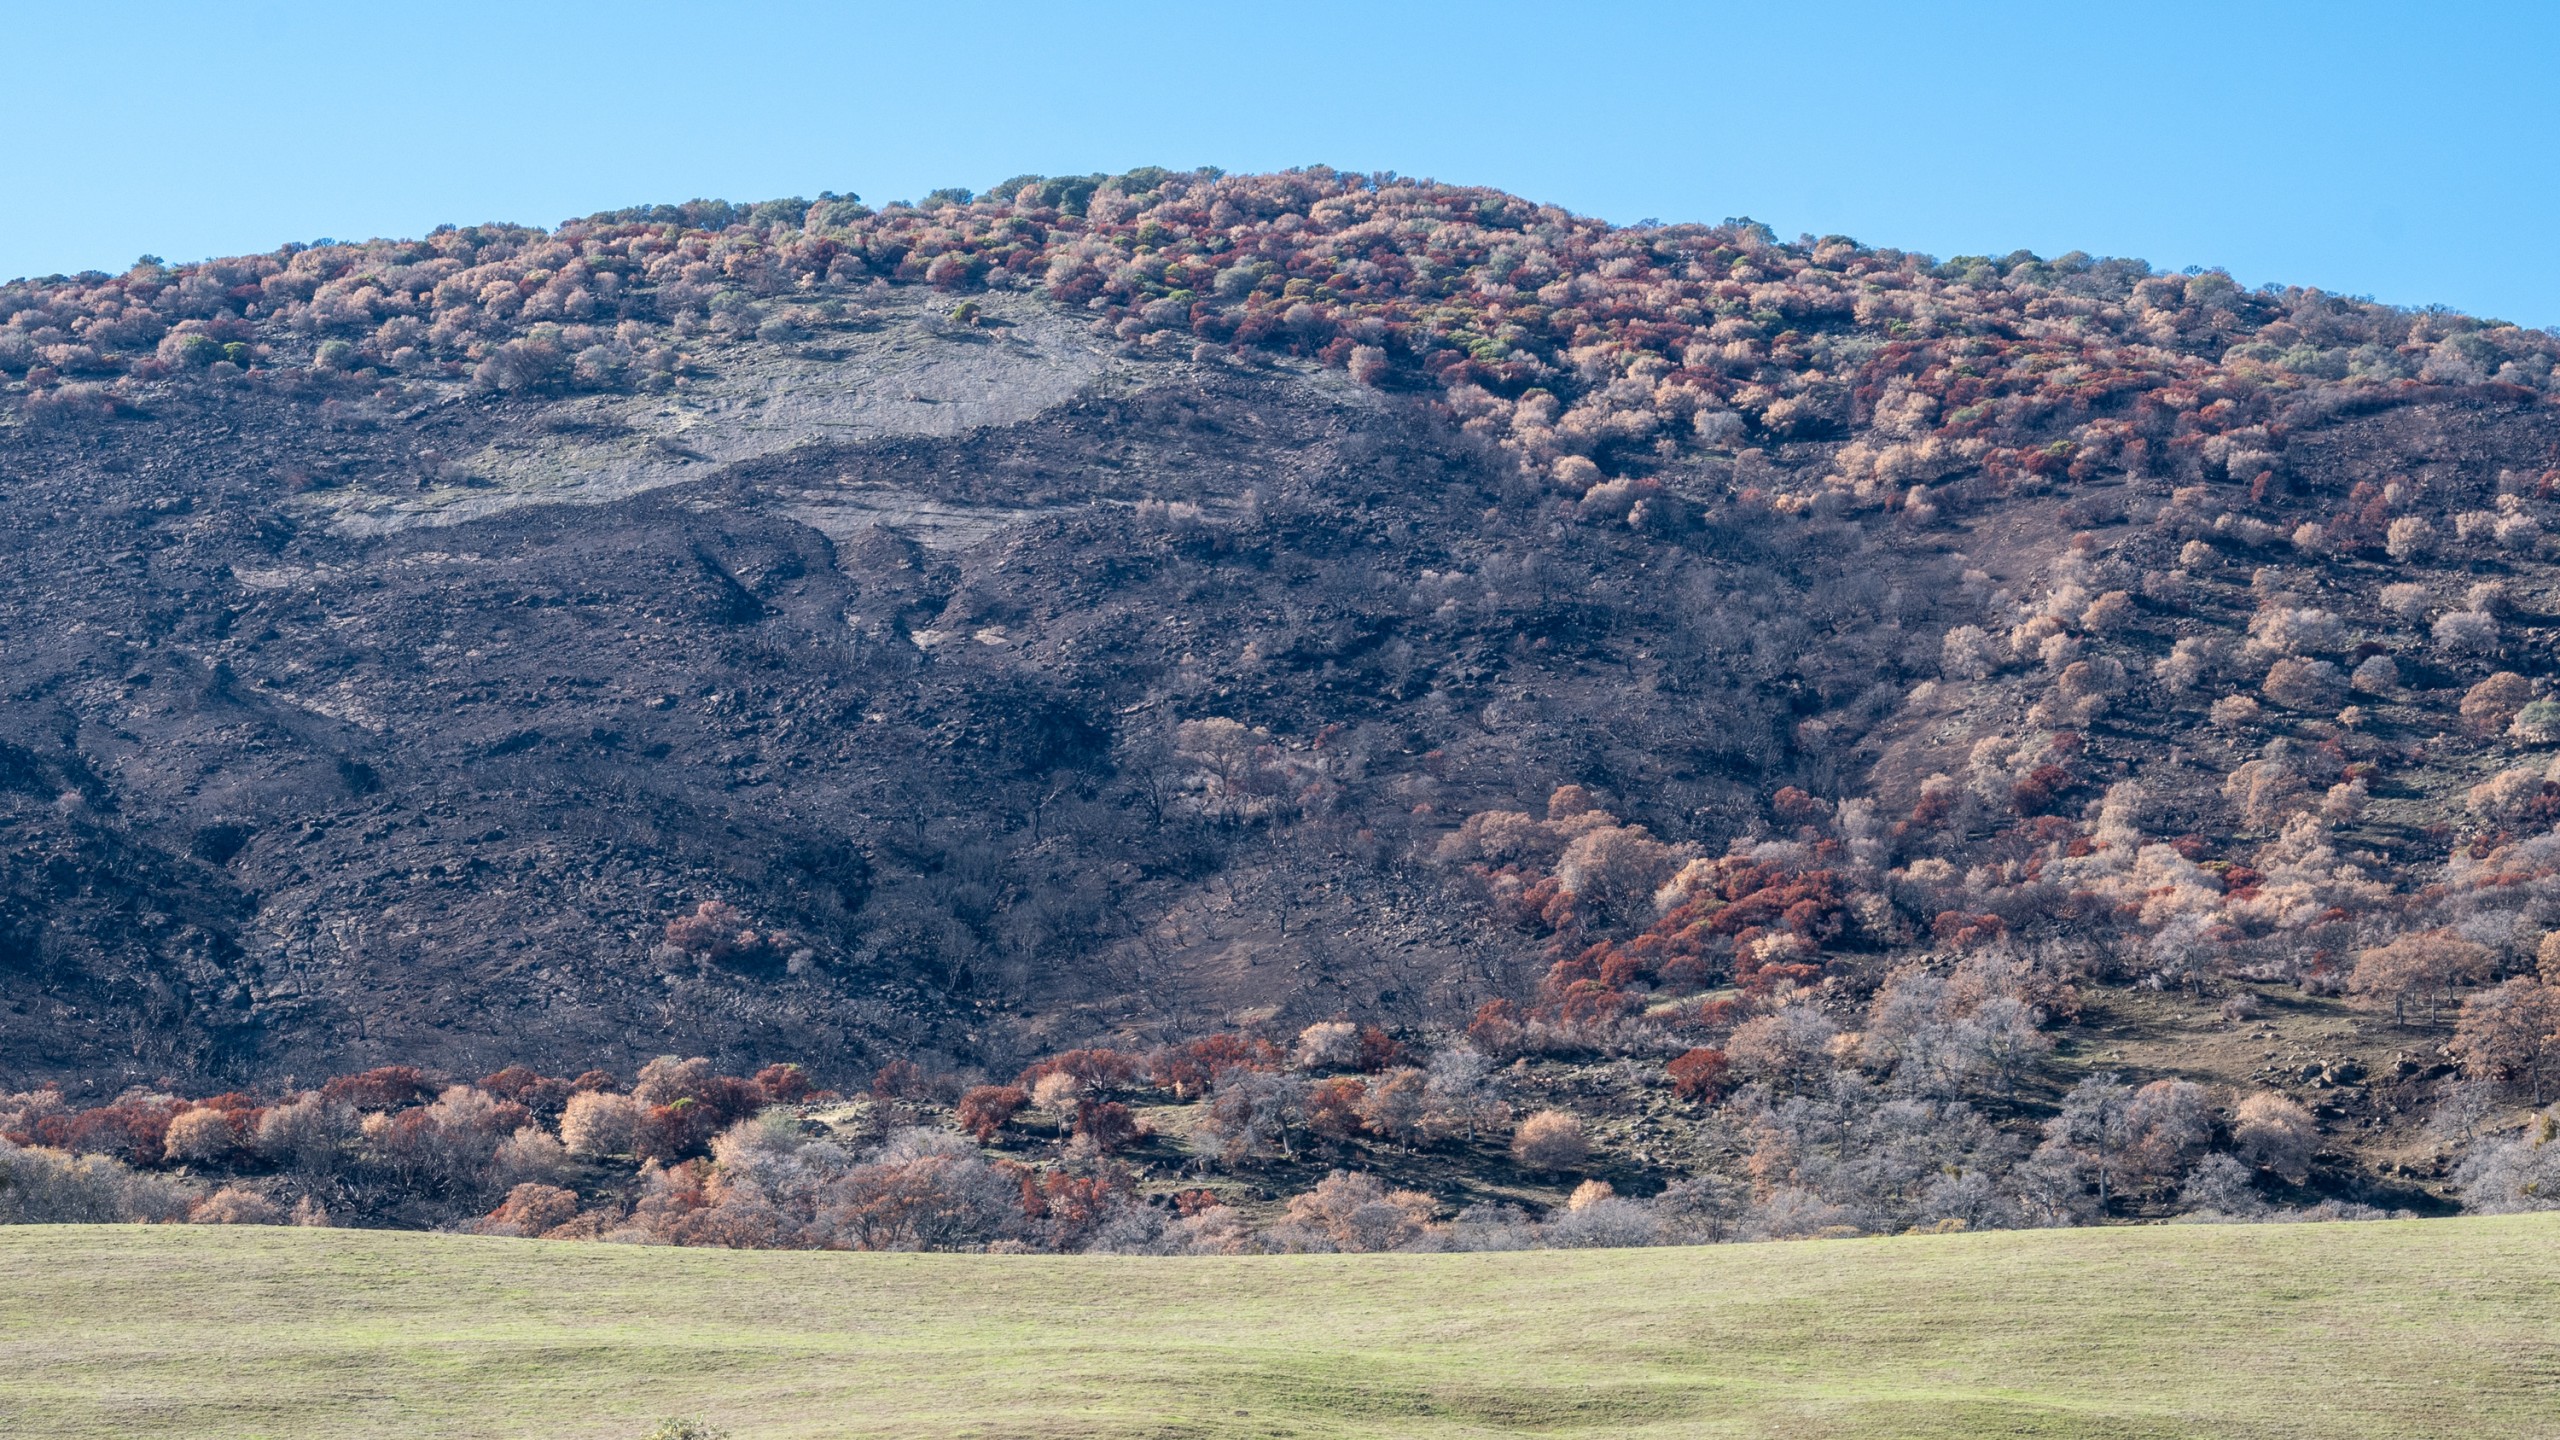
285,798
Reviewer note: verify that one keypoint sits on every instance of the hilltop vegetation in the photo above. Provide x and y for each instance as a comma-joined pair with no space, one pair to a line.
1638,343
1867,742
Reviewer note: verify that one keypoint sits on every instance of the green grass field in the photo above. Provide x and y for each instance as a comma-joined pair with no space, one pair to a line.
2442,1327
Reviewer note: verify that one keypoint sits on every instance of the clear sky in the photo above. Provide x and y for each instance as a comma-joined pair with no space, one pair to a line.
2407,152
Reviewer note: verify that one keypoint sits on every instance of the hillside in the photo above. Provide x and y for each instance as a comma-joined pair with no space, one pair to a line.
1117,611
2401,1330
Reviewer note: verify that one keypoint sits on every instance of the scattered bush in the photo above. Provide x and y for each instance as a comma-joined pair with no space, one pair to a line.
1328,1045
1699,1074
200,1137
2417,968
2274,1133
599,1122
2407,599
2467,632
48,1187
2537,722
2511,1173
233,1205
2300,684
2510,1035
1352,1213
986,1109
2488,706
1550,1140
529,1210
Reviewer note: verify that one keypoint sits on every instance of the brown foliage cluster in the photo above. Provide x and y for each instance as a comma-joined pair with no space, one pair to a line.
2510,1036
1190,1068
714,931
395,1145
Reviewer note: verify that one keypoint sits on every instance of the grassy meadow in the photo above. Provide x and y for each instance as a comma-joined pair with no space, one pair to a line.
2403,1329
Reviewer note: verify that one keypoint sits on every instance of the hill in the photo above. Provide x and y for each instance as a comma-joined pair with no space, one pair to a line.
2402,1330
1115,611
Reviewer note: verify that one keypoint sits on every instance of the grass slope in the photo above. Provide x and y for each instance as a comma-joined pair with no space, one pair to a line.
2447,1327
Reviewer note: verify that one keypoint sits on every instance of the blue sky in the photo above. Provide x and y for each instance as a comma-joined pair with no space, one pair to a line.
2405,152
